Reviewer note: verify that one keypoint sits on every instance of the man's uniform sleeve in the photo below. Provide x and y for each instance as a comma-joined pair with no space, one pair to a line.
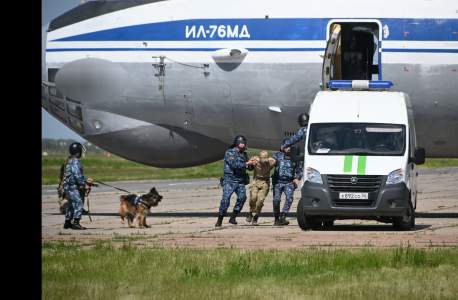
80,179
234,161
300,135
250,167
298,171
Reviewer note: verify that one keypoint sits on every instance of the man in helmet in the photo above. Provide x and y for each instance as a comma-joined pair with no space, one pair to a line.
73,178
286,174
301,134
235,164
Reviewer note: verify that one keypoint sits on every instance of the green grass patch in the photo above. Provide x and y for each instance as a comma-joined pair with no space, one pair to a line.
104,272
103,168
114,168
439,163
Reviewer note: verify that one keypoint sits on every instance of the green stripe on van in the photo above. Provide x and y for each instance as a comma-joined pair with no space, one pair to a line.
347,164
361,165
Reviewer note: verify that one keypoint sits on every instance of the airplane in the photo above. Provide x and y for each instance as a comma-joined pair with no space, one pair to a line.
170,83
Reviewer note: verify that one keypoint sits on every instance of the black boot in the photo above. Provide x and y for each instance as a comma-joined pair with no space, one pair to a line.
255,221
250,217
220,221
282,220
276,222
76,225
68,224
232,219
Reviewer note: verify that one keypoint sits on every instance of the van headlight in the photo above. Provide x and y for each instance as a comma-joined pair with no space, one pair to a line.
313,176
395,177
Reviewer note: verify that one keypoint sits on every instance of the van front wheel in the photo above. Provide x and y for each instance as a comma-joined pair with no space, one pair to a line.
305,223
407,220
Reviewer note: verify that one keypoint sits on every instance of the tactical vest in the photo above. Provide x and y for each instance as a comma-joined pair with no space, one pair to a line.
286,169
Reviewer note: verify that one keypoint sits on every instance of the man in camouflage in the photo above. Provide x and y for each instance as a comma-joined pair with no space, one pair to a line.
235,164
301,134
260,185
73,178
285,176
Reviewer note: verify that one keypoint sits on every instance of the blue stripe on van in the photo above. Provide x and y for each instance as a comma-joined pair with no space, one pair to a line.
269,29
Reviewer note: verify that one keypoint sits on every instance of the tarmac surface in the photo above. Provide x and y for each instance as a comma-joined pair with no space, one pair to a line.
187,214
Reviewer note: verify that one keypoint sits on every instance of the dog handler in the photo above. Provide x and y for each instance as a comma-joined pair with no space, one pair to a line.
72,179
286,174
260,185
235,164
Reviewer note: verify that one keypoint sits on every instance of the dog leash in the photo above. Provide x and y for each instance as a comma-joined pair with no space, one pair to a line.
138,200
113,187
87,196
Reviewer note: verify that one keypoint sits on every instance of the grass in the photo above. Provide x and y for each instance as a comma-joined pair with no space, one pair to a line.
439,163
103,168
106,272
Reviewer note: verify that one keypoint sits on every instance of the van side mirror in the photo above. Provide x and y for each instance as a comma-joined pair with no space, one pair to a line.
294,153
419,158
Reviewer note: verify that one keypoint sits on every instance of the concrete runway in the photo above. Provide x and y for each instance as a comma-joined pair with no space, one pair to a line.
190,207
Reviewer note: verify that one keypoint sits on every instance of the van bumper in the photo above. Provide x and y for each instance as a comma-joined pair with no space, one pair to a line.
316,201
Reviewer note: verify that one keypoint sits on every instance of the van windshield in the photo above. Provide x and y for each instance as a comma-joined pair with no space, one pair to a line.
356,139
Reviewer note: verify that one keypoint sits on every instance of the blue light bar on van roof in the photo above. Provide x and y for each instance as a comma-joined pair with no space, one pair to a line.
359,85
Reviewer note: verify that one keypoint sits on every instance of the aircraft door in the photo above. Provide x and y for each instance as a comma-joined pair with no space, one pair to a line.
331,60
353,51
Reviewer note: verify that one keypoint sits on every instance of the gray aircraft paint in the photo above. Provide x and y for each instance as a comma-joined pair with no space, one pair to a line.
181,125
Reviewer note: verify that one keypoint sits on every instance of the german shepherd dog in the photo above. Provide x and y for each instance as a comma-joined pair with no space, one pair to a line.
129,210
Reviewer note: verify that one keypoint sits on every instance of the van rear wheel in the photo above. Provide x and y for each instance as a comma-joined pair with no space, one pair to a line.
305,223
407,221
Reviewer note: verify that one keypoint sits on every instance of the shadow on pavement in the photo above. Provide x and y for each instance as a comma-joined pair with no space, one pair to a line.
245,214
378,227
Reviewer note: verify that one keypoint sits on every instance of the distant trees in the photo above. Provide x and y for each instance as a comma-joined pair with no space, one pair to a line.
60,146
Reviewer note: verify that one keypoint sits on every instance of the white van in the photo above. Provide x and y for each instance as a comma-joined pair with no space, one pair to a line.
360,157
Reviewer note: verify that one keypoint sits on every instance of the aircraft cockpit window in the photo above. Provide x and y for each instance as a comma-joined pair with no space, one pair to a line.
357,139
52,74
76,125
58,103
53,91
59,113
75,111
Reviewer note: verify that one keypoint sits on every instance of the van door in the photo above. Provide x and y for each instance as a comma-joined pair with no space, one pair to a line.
352,51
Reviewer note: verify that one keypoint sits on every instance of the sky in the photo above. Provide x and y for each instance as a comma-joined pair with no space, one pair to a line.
50,127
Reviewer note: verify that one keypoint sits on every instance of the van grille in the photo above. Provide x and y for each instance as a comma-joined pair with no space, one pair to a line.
365,184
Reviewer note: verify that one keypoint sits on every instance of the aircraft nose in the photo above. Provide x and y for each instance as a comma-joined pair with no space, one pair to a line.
151,144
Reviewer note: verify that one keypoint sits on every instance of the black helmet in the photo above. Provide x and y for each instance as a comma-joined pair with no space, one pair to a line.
239,139
303,119
76,148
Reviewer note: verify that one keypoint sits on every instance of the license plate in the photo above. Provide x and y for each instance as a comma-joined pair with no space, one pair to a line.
353,195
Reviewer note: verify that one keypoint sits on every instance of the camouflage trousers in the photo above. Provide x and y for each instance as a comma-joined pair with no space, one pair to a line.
258,193
279,188
75,205
229,188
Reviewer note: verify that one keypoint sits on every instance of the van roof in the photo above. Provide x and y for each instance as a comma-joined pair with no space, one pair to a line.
359,107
